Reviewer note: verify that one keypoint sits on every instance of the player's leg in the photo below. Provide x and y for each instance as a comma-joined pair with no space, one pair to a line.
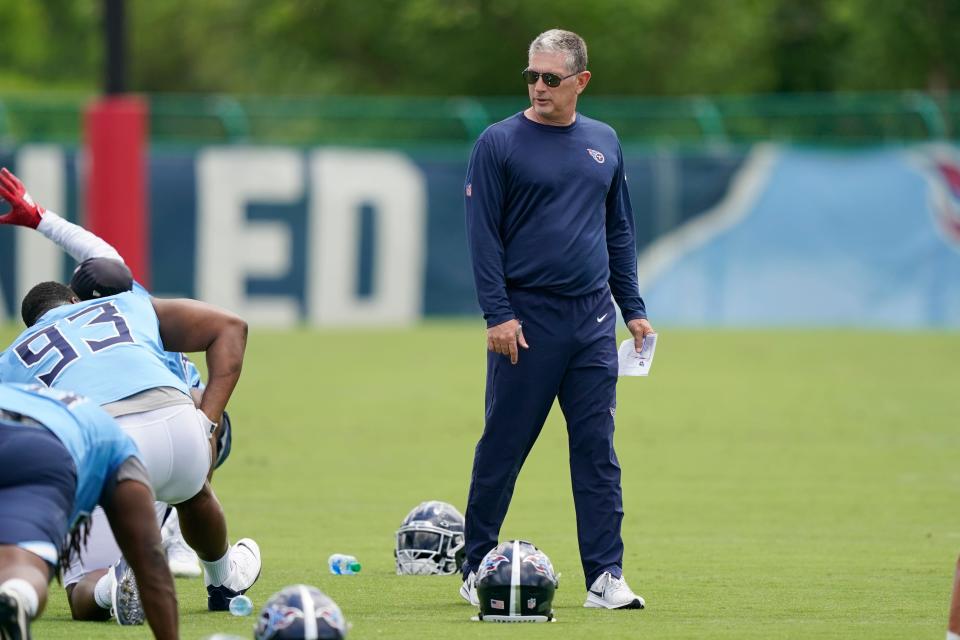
203,524
518,400
23,589
177,452
91,579
588,400
228,570
37,488
181,558
85,578
82,596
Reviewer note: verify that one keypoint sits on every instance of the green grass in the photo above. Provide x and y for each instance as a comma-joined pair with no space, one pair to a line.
777,484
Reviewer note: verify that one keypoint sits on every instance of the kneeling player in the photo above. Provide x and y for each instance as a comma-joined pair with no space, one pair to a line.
60,455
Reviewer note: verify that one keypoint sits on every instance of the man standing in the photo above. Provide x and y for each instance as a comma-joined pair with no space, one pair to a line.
551,236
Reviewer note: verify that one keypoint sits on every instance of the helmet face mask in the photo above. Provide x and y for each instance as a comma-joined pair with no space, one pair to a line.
299,612
515,583
430,540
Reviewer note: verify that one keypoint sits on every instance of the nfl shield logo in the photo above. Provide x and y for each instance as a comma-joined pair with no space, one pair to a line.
469,189
596,155
532,603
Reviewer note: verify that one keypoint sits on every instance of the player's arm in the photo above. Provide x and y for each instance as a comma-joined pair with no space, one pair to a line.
25,212
621,247
190,326
129,508
484,203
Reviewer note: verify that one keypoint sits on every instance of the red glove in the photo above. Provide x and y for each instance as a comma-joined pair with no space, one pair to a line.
24,211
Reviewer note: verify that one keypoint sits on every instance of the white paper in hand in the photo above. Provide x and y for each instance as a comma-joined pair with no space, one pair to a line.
637,364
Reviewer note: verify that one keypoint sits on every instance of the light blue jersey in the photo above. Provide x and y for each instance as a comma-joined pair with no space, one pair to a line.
106,349
94,440
183,368
177,362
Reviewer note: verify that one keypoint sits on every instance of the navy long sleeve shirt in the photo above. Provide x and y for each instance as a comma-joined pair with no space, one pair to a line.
547,208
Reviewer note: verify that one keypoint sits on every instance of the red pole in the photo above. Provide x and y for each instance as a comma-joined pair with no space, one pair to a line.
116,136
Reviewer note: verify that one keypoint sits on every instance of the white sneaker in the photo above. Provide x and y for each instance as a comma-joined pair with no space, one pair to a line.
608,592
245,568
127,608
468,590
182,560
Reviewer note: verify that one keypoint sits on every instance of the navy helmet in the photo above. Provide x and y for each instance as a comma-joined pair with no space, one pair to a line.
430,540
515,583
99,277
300,612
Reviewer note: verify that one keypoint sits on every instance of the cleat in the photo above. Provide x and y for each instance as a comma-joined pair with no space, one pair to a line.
126,608
608,592
468,590
13,619
245,568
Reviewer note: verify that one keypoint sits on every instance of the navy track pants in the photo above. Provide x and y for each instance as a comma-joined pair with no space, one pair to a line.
573,357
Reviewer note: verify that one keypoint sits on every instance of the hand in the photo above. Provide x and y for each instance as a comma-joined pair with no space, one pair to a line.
24,211
504,338
639,327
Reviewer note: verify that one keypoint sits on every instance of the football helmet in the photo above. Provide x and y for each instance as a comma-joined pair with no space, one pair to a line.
300,612
430,540
99,277
515,583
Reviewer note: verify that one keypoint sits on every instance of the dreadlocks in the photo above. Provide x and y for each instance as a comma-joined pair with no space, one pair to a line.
76,540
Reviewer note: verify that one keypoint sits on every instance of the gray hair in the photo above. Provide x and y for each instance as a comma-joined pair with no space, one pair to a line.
568,43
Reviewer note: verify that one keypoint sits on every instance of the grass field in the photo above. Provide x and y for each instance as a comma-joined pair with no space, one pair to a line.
777,484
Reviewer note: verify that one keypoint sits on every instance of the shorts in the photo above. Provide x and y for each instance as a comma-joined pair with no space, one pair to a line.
174,445
38,484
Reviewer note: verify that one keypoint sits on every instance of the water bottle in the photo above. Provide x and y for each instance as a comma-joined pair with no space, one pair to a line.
343,565
241,606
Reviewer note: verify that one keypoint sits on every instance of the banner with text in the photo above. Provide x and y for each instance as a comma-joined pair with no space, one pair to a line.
771,236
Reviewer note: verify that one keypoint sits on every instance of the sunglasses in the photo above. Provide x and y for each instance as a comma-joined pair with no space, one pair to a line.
552,80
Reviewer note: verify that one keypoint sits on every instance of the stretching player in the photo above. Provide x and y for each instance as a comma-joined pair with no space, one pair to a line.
60,455
109,349
102,272
101,275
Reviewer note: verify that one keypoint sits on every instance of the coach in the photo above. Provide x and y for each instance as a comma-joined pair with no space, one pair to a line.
551,236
